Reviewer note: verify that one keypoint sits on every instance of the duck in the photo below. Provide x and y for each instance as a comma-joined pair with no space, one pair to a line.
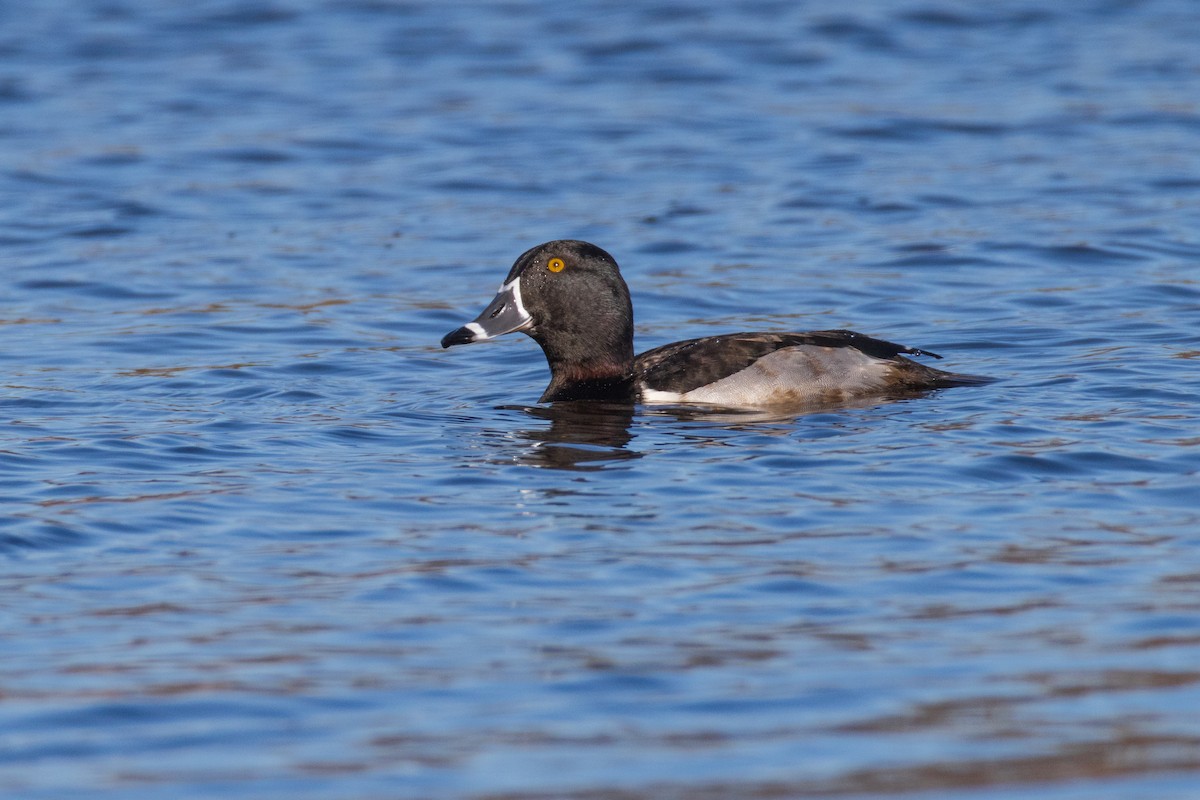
569,297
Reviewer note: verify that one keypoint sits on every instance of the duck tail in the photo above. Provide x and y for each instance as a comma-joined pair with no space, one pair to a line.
910,374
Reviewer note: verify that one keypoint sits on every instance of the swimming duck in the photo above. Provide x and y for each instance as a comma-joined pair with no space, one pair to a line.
570,298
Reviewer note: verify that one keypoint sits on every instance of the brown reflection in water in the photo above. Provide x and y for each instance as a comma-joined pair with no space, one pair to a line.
1077,684
306,308
1121,756
947,611
139,611
170,372
31,321
209,308
138,498
970,711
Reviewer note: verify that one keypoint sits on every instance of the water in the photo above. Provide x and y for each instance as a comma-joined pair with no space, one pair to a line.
263,538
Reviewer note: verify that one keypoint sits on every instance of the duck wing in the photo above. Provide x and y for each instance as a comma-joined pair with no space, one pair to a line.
687,365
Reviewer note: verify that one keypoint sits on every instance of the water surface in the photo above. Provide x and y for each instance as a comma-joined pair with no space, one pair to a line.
263,538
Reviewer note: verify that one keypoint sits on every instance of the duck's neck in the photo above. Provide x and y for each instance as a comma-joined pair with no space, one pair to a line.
593,369
597,382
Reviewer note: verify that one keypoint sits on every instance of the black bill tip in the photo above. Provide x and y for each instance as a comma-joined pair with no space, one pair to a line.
463,335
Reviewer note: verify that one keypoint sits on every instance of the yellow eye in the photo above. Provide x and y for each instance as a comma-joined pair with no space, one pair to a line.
555,265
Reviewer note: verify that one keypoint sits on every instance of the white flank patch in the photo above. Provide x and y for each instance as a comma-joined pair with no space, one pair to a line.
655,396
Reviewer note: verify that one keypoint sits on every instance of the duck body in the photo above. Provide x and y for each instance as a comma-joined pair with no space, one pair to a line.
569,296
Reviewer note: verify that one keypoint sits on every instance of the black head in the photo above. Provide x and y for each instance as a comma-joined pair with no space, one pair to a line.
570,297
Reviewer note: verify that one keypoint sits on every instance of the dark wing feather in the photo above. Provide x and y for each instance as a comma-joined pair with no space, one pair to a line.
684,366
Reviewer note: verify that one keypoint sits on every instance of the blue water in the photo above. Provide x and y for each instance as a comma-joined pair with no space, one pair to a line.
263,538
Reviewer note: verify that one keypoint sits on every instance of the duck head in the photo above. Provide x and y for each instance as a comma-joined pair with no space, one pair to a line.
570,298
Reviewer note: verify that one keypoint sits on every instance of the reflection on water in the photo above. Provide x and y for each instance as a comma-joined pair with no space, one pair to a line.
590,436
263,539
580,436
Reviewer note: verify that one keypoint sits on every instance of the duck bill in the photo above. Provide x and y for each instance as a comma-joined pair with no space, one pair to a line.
505,314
